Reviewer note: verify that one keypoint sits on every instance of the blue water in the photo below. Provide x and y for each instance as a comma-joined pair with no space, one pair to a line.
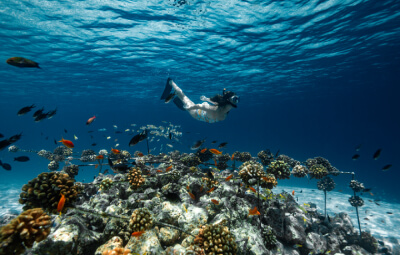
316,78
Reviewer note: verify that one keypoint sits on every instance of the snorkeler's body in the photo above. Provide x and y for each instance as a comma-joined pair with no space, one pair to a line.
211,110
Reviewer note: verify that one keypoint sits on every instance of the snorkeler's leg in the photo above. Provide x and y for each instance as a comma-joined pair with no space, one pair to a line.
185,101
167,90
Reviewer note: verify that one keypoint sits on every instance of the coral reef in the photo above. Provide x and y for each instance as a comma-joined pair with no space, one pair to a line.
299,171
279,169
105,184
45,191
72,170
318,171
216,239
30,226
191,160
356,201
88,156
325,163
135,178
141,220
356,186
53,165
326,184
266,157
241,156
288,160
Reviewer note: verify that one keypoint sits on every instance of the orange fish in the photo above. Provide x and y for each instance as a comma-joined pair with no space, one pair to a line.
61,203
253,189
216,202
96,166
233,157
100,157
140,154
371,193
211,190
137,233
67,143
254,211
192,196
187,187
293,193
201,188
115,151
90,120
168,168
229,177
215,151
159,171
203,150
215,163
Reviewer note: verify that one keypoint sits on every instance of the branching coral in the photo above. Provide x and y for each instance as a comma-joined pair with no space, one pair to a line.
105,184
216,239
356,186
30,226
279,169
141,220
45,191
266,157
135,178
252,172
318,171
299,171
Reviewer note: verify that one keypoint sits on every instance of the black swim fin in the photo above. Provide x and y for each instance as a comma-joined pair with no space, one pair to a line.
167,90
178,102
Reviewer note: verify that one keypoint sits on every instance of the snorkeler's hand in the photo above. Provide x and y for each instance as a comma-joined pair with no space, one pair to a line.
206,99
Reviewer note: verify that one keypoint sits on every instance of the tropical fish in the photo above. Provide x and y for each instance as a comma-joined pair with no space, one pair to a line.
211,190
213,142
50,114
90,120
187,187
140,154
168,168
222,145
377,154
67,143
22,62
61,203
297,246
277,153
21,159
215,162
170,145
355,157
253,189
215,151
301,208
216,202
108,137
229,177
25,110
138,138
197,144
159,171
94,144
100,156
203,150
254,211
387,167
96,166
192,196
137,233
389,212
5,166
115,151
75,137
184,207
41,117
293,193
233,157
358,147
38,112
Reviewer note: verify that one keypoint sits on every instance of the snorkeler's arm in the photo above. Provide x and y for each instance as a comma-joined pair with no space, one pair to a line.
204,98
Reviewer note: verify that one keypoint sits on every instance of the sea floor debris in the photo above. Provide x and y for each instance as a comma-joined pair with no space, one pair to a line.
195,209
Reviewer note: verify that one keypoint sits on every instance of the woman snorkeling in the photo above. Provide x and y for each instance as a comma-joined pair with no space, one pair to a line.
211,110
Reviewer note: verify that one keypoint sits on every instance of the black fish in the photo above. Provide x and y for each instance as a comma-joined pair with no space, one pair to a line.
22,62
55,141
90,131
38,112
138,138
94,144
222,145
25,110
4,143
389,212
197,144
14,138
367,189
377,203
385,168
355,157
66,131
47,138
210,175
358,147
118,132
5,166
170,135
21,159
1,135
277,153
50,114
213,142
377,154
121,167
41,116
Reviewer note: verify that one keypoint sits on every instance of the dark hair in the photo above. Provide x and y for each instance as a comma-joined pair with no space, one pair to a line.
222,100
